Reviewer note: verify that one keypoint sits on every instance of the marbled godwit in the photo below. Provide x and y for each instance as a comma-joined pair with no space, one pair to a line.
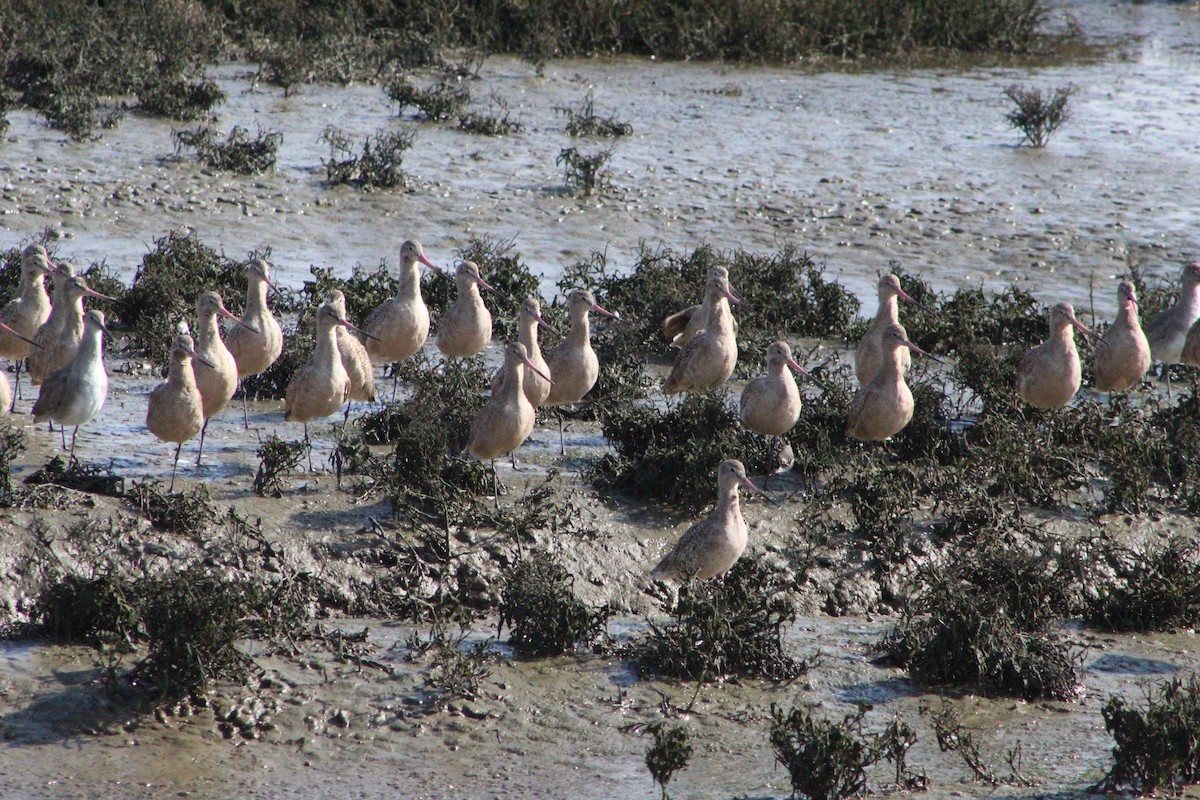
1123,355
6,394
681,326
216,371
1168,330
770,404
708,359
320,387
713,545
1048,375
29,310
355,359
401,325
506,420
254,352
47,334
58,351
175,412
537,388
884,406
869,355
73,395
466,327
574,367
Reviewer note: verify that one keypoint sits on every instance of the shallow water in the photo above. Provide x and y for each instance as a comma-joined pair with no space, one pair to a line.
860,168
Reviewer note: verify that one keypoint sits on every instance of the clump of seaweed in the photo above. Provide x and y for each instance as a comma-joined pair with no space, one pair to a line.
1156,588
828,760
1158,746
377,164
584,173
442,101
496,120
543,614
277,459
672,455
180,99
177,512
583,120
239,152
985,620
1037,115
165,288
80,476
668,753
720,628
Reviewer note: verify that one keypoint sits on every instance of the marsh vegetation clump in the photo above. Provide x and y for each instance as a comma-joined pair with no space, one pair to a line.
582,120
495,120
828,760
1157,747
986,620
425,477
78,475
165,288
584,173
376,164
1038,114
671,455
668,753
178,512
276,460
729,627
457,668
444,100
1153,588
540,608
239,152
180,99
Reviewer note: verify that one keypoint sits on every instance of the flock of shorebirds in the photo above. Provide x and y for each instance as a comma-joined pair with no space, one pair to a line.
62,346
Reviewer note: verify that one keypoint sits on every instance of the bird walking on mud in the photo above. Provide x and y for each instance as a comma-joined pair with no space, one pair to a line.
708,359
870,353
681,326
216,371
175,410
466,326
506,420
74,394
1168,330
400,326
573,364
1049,375
713,545
884,406
257,342
1123,355
355,359
537,388
28,311
321,386
59,337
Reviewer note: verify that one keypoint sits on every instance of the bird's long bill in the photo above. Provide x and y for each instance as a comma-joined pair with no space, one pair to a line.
225,312
538,372
802,372
542,321
601,310
93,293
487,287
421,257
201,359
12,332
733,298
350,326
916,349
753,487
905,296
1084,329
